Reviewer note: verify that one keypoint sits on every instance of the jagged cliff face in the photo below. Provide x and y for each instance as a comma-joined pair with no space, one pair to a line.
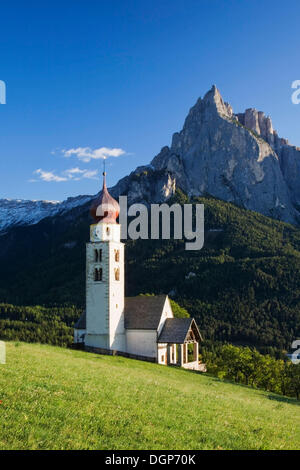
289,156
290,165
237,158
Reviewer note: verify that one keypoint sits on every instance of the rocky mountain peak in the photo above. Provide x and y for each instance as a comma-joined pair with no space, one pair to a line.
214,102
209,108
235,157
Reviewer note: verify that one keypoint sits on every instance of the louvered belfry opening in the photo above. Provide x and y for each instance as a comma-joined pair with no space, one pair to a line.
98,274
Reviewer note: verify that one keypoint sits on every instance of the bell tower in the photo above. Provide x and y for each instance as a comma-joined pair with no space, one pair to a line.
105,276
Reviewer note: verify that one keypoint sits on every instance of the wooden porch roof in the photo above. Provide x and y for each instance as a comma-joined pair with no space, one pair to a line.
177,330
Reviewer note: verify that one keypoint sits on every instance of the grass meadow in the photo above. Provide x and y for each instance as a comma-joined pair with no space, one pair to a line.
55,398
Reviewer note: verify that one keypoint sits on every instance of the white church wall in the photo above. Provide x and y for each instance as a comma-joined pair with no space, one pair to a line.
105,232
142,342
167,313
162,354
105,298
117,337
97,314
96,341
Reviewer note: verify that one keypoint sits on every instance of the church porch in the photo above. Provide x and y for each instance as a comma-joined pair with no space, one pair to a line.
178,344
183,355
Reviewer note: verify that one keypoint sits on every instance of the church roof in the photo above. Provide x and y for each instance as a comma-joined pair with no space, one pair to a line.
81,322
144,312
176,330
141,313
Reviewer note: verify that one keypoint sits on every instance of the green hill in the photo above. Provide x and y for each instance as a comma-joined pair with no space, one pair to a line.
245,287
53,398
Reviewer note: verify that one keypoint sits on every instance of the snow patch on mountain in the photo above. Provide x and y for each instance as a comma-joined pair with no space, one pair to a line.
27,212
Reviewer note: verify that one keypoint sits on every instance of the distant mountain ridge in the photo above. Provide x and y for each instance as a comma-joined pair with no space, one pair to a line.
26,212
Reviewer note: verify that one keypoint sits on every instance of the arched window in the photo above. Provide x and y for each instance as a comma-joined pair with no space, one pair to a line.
100,256
100,274
96,256
117,274
117,256
96,274
107,231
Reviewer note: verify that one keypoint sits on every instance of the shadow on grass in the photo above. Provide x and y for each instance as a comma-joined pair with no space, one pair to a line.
278,398
282,399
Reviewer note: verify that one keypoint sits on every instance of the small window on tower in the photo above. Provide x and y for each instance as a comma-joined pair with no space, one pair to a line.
98,275
107,231
117,274
100,256
96,256
117,255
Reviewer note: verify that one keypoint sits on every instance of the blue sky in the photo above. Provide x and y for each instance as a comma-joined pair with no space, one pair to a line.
123,74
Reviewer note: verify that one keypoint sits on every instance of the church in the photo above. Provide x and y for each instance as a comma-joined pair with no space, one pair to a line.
141,327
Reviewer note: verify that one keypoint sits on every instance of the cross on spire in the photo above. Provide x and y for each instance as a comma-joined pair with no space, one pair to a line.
104,174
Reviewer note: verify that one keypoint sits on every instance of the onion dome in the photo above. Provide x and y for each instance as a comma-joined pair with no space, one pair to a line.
105,208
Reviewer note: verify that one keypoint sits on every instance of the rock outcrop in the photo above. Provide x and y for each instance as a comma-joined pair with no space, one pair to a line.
147,185
290,166
289,156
